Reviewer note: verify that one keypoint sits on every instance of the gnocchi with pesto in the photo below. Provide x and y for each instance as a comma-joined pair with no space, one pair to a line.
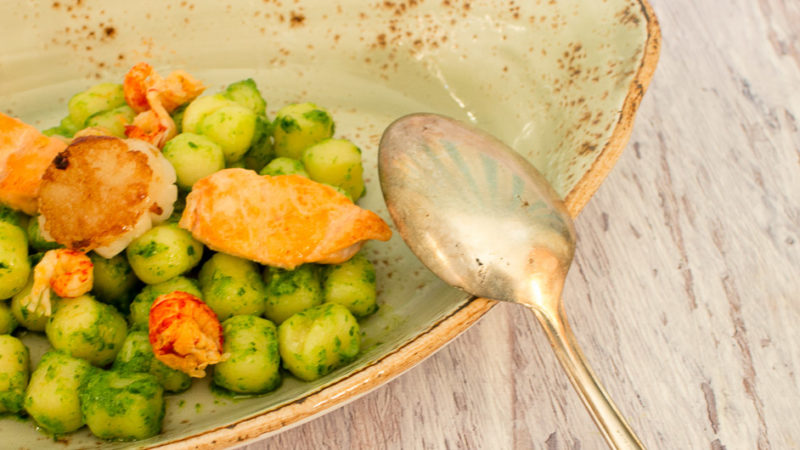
134,298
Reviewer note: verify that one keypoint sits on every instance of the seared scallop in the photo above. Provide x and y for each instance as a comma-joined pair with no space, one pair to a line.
102,192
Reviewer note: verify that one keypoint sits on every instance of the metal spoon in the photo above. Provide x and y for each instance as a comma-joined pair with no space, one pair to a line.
483,219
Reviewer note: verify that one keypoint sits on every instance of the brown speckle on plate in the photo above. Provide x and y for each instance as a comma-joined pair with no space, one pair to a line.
297,19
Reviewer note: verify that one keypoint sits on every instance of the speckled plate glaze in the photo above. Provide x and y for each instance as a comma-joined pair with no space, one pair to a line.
559,81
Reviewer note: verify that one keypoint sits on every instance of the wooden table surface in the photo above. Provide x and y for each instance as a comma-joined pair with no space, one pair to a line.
685,291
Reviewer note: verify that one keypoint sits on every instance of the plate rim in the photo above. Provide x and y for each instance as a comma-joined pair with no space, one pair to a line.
448,328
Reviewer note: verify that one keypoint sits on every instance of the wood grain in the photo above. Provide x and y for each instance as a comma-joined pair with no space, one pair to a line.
685,291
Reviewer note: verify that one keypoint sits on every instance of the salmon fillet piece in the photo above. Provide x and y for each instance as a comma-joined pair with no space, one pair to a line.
25,154
281,221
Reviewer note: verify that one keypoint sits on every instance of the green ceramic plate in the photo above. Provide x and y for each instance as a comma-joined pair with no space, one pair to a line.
557,80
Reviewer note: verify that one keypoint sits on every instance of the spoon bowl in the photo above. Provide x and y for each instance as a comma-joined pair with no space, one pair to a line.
483,219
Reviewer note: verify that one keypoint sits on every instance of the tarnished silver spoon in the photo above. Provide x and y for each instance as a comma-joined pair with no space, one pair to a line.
483,219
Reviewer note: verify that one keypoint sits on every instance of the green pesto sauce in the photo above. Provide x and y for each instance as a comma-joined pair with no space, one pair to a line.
288,125
150,249
112,391
318,115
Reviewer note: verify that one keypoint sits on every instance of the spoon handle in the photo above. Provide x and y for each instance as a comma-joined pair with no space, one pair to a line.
615,429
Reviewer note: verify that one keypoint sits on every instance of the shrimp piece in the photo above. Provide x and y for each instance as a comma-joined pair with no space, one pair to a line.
185,333
136,84
102,192
68,273
281,221
25,154
143,85
153,126
154,98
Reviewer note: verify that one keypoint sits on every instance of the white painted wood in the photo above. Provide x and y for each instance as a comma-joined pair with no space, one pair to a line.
685,292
